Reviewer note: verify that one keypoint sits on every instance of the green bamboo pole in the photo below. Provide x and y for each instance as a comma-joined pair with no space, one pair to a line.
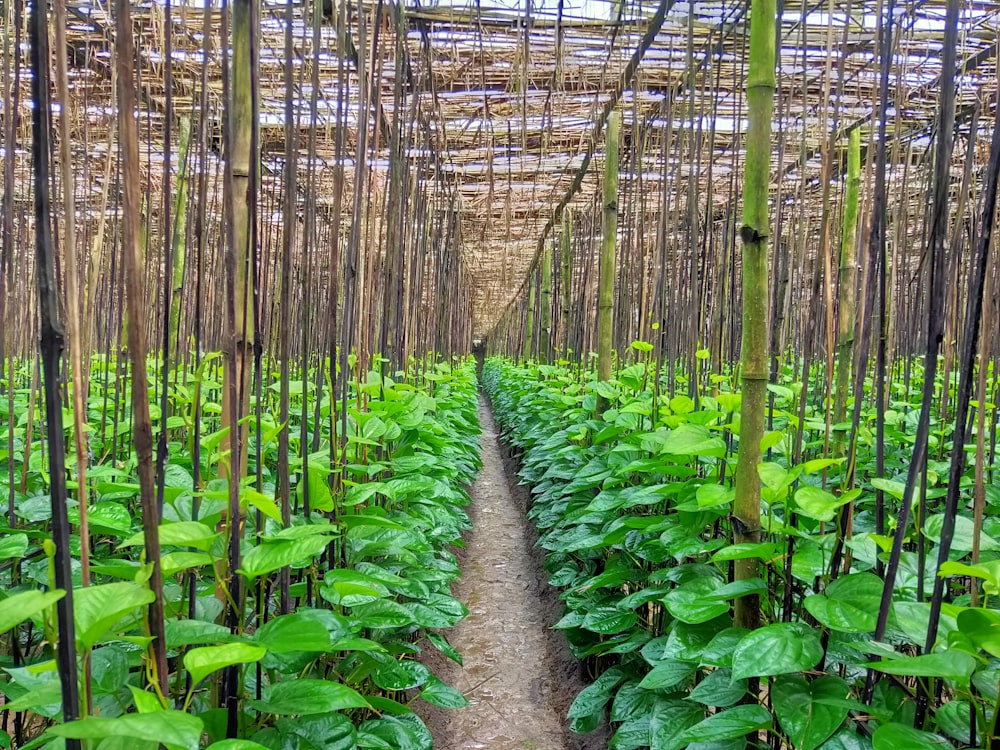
755,355
848,282
529,327
606,278
242,121
566,278
179,236
545,329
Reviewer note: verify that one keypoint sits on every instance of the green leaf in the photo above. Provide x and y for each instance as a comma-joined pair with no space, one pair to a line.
300,697
202,661
850,604
330,731
442,645
399,675
305,630
903,737
719,689
725,725
667,674
982,626
172,728
809,712
950,665
593,698
19,607
13,546
195,632
180,533
236,745
691,602
818,504
437,693
693,440
777,649
607,619
97,608
260,501
109,517
274,555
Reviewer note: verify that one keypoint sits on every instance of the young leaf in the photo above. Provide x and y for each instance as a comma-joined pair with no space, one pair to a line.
19,607
172,728
202,661
97,608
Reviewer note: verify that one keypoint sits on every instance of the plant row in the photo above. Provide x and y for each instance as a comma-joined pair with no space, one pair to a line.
631,495
365,561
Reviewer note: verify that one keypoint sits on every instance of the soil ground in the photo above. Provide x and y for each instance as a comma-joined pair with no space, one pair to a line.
518,673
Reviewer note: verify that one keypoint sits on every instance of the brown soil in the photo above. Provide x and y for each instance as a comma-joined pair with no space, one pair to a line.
518,673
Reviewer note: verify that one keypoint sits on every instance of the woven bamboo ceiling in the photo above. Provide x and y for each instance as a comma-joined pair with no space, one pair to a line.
505,101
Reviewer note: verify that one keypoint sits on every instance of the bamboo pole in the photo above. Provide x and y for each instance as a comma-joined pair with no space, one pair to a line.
545,329
51,345
566,279
848,285
760,87
179,240
606,280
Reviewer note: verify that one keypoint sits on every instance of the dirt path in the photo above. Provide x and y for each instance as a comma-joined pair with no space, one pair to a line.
518,674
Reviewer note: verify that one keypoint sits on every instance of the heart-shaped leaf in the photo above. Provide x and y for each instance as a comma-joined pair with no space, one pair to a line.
807,711
849,604
202,661
777,649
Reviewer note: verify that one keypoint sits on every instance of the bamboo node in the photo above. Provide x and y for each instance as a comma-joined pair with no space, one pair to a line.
749,235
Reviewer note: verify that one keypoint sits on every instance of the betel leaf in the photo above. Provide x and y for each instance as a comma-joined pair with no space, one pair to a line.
667,674
725,725
818,504
202,661
442,645
982,626
593,698
847,739
173,728
438,693
809,712
330,731
236,745
97,608
895,736
670,719
13,546
395,732
181,534
274,555
849,604
950,665
399,674
719,689
305,630
195,632
690,601
607,619
301,697
777,649
19,607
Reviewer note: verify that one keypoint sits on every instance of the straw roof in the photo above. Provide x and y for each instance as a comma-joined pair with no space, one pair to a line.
506,101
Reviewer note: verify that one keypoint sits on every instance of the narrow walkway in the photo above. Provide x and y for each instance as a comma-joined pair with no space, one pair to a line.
517,675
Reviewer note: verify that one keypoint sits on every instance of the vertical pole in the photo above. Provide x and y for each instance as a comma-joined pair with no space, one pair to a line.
754,356
545,330
606,278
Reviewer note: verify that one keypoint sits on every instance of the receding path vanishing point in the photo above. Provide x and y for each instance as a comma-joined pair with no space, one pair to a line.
518,674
